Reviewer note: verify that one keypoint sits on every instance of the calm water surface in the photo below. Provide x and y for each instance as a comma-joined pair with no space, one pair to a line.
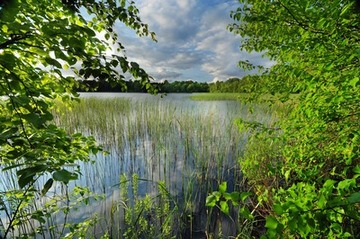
185,143
176,157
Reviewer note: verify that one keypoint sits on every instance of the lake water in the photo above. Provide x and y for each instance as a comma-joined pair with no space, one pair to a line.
181,119
191,146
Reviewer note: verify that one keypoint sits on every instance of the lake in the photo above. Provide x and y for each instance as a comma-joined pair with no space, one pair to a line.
164,156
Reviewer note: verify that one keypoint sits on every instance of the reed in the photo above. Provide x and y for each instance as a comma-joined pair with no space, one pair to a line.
190,146
179,150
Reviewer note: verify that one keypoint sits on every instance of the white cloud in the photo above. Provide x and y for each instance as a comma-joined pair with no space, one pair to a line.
162,74
193,42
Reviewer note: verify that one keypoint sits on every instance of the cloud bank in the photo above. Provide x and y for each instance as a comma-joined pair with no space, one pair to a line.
193,42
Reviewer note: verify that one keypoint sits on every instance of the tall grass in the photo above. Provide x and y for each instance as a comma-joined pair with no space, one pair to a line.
179,150
190,146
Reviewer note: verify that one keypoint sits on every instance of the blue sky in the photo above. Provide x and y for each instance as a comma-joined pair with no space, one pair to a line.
193,42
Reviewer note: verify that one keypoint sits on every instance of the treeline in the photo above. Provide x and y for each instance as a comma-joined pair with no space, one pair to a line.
136,86
252,83
235,85
183,87
247,84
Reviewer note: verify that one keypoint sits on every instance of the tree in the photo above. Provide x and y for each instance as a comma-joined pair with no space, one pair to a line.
40,42
315,45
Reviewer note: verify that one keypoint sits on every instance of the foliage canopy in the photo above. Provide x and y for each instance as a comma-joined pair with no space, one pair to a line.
310,189
44,47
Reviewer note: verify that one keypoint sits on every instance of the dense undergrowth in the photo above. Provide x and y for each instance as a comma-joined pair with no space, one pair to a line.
306,180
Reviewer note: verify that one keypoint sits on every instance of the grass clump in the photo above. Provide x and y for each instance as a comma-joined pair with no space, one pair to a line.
187,147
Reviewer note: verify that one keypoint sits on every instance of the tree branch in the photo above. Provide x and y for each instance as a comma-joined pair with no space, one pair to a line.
304,26
14,38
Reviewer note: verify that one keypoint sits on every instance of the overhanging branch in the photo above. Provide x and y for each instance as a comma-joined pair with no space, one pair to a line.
14,38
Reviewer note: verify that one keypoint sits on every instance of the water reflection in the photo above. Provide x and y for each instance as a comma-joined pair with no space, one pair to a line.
190,145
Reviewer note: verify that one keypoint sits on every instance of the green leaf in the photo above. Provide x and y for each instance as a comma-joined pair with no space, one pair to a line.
26,175
52,62
114,63
222,187
12,166
287,174
60,54
64,176
224,207
134,65
356,169
4,28
25,179
346,184
271,222
322,201
33,119
227,196
354,198
211,200
235,196
354,81
329,183
245,212
39,216
345,9
47,186
293,224
244,196
278,209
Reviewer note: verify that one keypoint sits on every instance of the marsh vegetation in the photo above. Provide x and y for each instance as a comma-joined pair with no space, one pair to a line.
161,158
164,156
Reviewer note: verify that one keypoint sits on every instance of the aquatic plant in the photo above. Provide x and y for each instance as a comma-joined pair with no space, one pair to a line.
188,146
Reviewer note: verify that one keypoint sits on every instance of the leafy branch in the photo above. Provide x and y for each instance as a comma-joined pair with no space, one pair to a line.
14,39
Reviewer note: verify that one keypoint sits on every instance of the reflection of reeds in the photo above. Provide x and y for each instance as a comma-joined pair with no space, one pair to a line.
189,146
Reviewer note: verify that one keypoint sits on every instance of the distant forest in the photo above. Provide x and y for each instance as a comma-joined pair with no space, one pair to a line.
232,85
135,86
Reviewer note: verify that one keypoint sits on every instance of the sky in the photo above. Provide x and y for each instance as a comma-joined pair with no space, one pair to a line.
193,42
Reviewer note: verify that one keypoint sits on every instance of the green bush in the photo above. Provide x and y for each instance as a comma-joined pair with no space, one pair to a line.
314,44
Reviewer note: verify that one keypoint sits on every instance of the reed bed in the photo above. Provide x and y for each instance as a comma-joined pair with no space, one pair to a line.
164,156
190,146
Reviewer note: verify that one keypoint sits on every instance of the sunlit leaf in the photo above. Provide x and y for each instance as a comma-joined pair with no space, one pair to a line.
271,222
210,201
224,207
223,187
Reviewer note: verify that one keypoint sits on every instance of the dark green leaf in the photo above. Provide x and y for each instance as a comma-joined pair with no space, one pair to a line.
235,196
53,62
244,196
25,179
47,186
64,176
354,198
245,212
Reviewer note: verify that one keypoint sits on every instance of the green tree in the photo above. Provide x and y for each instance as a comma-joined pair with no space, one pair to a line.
316,47
40,42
